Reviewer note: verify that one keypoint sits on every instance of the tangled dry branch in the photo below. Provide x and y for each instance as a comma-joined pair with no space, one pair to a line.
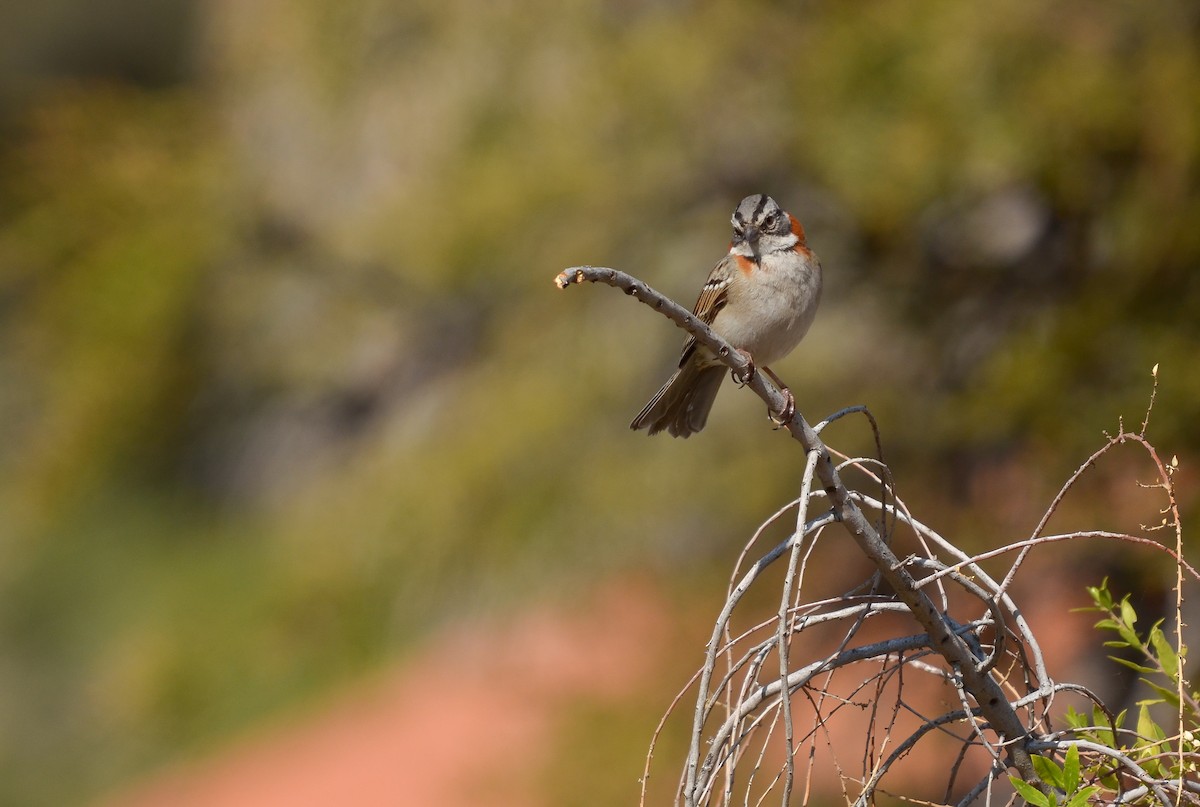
746,738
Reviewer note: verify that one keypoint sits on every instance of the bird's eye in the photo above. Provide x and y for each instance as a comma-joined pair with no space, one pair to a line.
769,221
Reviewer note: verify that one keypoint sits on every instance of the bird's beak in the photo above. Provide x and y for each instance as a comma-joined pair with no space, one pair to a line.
750,234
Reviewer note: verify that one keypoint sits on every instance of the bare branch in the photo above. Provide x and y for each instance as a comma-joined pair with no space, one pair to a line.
993,661
985,690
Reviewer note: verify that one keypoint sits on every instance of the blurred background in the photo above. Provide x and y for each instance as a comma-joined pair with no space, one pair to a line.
290,410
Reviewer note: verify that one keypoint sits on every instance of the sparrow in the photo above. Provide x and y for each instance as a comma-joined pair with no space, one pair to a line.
761,297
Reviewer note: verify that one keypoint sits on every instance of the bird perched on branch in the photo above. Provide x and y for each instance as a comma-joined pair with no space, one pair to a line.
761,297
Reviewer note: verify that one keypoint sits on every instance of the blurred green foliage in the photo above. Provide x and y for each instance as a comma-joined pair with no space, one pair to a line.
284,382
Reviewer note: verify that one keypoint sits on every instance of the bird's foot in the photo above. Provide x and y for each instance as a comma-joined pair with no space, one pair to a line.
789,410
742,379
789,407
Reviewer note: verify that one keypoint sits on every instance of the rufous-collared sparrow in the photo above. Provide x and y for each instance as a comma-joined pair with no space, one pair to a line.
761,297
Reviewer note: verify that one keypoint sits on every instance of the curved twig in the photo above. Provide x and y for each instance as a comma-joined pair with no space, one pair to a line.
1155,786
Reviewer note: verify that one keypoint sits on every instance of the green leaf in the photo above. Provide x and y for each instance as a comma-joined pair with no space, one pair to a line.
1128,615
1070,777
1129,635
1103,733
1110,737
1147,728
1165,652
1048,771
1133,665
1149,744
1081,798
1030,793
1101,595
1076,720
1168,695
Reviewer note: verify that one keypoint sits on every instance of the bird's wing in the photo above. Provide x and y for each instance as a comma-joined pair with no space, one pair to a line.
712,299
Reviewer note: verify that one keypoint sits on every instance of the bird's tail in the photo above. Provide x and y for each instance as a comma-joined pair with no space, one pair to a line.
682,405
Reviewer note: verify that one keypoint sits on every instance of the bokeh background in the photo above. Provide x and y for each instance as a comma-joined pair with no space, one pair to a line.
287,394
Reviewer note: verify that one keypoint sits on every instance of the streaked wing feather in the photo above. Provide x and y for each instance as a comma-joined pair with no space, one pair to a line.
712,299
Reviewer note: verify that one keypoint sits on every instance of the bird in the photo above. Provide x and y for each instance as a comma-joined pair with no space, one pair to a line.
761,298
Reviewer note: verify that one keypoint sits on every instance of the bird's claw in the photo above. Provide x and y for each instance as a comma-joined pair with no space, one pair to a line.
743,379
789,410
